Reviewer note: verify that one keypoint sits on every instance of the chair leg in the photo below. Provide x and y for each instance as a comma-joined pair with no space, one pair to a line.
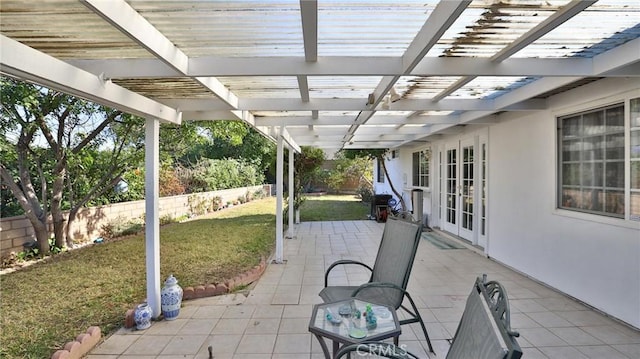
424,329
418,318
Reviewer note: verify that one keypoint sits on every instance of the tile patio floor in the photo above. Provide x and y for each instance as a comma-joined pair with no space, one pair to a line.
271,319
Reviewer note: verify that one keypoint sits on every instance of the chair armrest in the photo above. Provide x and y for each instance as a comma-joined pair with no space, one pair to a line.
394,302
341,262
366,286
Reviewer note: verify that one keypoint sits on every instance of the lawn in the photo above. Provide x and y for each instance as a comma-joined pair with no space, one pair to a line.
333,208
47,304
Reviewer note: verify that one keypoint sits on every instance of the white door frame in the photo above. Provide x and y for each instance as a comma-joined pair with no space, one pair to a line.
467,202
456,190
450,193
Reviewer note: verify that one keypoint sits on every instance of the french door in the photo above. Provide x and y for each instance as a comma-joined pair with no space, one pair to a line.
458,189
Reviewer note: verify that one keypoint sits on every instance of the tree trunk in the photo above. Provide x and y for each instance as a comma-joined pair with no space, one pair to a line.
33,212
70,219
42,237
56,207
393,188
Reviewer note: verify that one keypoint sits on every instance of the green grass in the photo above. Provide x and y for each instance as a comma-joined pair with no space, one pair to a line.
333,208
47,304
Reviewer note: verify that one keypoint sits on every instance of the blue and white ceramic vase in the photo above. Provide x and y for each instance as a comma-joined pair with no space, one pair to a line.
142,316
171,298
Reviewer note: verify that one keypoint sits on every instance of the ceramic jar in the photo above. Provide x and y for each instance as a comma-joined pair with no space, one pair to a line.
171,298
142,316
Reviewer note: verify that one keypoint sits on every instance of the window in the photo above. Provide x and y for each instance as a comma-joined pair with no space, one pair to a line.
380,178
420,166
592,164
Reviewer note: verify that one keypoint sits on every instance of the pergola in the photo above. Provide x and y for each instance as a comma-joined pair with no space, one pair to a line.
330,74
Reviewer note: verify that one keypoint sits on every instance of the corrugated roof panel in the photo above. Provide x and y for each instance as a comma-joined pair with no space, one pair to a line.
263,87
65,29
166,87
415,87
228,28
486,86
342,86
486,27
369,28
597,29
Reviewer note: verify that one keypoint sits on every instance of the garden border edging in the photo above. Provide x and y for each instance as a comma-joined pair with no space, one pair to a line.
82,345
86,341
211,290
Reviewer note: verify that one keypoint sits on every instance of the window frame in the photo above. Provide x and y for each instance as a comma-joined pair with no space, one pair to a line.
422,160
380,177
617,141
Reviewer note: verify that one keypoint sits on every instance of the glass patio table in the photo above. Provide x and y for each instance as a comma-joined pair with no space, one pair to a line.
339,323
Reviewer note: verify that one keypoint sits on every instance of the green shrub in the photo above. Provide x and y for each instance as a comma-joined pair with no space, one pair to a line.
166,219
365,192
259,194
121,227
198,205
212,175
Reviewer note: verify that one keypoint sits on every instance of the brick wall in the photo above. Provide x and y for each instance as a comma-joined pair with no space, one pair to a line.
15,231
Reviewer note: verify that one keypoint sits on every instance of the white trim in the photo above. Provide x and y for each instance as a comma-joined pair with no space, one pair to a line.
622,97
211,66
596,218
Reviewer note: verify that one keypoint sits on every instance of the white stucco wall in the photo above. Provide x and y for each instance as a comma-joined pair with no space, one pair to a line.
400,170
593,258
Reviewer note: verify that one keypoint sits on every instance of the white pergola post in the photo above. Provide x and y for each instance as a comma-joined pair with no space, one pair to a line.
291,193
152,218
279,199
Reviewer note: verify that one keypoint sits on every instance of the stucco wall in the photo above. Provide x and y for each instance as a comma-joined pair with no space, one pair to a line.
400,170
593,258
15,231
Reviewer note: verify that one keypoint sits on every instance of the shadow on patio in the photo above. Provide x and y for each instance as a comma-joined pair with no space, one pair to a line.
270,320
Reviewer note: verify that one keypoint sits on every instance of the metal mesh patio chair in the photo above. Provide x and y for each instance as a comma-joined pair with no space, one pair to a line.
484,331
389,275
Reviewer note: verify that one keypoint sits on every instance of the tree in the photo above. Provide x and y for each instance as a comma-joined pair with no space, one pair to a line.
380,155
346,168
305,167
188,142
61,152
244,143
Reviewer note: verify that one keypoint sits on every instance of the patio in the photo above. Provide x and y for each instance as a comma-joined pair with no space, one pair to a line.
270,319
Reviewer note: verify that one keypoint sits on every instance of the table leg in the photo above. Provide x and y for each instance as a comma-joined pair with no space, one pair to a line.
323,345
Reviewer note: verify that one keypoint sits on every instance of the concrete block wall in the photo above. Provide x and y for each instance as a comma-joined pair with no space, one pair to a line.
15,231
